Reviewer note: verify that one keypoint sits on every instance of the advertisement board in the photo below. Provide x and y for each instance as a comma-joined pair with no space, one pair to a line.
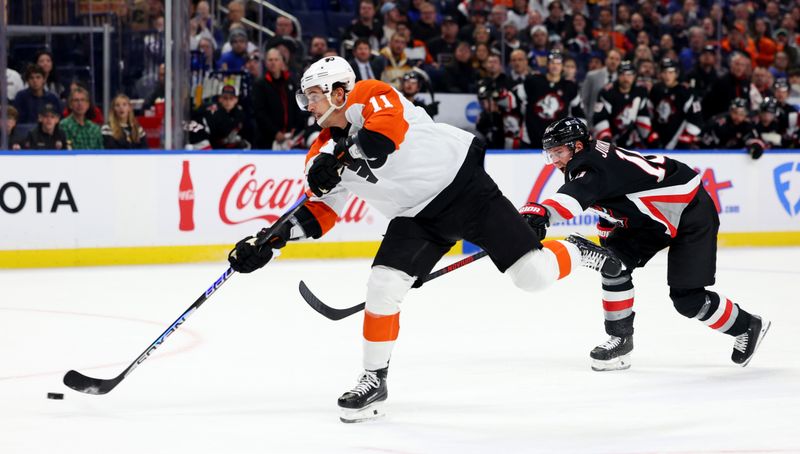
111,201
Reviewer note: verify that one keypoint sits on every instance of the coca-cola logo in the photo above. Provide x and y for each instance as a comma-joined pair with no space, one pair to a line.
247,198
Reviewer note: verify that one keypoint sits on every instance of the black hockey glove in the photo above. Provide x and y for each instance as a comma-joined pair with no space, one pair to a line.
247,257
325,173
755,149
537,217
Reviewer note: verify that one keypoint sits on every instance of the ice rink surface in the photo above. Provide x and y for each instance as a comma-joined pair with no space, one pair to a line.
480,367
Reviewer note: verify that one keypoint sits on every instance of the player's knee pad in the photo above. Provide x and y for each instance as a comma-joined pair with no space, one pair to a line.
534,271
688,302
386,289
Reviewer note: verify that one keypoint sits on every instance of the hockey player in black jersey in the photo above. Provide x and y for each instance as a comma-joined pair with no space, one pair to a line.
733,130
768,129
676,114
787,113
622,111
548,97
646,204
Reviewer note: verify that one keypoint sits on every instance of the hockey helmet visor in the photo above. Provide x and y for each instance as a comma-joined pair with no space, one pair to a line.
566,131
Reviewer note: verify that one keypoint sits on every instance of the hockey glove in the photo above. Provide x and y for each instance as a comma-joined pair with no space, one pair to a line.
604,229
325,173
252,253
755,148
537,217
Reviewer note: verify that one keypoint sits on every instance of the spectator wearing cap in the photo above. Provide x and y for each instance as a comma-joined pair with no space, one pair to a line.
364,63
226,47
82,134
735,84
537,56
443,47
15,136
29,101
689,55
278,118
597,79
459,75
47,135
510,41
226,121
391,17
234,59
704,74
123,132
785,44
253,66
426,27
366,25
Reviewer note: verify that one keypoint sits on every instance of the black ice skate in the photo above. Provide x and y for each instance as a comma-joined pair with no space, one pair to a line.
747,343
613,354
596,257
365,400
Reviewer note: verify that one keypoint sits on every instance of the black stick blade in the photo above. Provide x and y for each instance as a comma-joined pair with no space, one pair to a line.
89,385
327,311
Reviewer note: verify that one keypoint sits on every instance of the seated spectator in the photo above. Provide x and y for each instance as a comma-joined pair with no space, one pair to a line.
366,25
236,9
47,135
780,67
81,133
202,17
765,45
279,120
397,64
122,130
226,120
29,101
254,66
518,13
786,44
158,92
391,17
235,59
316,49
539,50
442,48
510,41
15,138
460,76
226,47
426,27
206,60
44,59
364,63
94,113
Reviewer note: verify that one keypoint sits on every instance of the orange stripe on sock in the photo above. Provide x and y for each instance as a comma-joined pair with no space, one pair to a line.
381,328
562,255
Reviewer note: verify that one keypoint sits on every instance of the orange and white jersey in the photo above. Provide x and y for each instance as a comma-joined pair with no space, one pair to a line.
426,159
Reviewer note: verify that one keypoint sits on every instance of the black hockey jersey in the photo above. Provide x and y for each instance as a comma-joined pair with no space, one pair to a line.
721,132
546,102
676,116
626,188
788,119
622,117
771,134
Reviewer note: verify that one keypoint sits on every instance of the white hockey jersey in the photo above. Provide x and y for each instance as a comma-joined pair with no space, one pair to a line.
426,159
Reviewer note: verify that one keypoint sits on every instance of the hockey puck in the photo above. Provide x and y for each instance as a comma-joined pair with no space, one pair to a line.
55,396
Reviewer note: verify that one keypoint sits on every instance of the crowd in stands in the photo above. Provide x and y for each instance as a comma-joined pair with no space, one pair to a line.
642,73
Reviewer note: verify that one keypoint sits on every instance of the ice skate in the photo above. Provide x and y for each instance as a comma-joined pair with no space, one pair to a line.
366,399
613,354
746,344
596,257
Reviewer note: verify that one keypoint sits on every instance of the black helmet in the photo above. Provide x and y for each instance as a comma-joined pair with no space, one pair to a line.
769,105
668,63
412,75
739,103
626,66
566,131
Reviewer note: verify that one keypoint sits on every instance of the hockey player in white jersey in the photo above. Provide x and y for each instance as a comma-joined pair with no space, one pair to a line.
428,179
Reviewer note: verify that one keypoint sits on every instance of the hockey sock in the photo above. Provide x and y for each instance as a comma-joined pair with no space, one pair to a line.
721,314
385,290
618,296
568,256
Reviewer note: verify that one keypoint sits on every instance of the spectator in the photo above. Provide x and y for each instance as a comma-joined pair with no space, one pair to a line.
737,40
15,138
278,118
691,12
225,120
518,14
366,25
397,63
787,45
122,130
198,29
426,28
81,133
206,59
772,14
47,135
646,74
227,47
480,55
604,26
555,22
689,55
578,43
253,66
415,49
765,45
735,84
391,17
478,17
623,19
364,63
637,26
15,84
571,70
235,59
236,9
158,92
94,113
317,48
519,68
704,74
761,87
539,51
29,101
599,78
459,75
497,17
443,48
44,59
678,31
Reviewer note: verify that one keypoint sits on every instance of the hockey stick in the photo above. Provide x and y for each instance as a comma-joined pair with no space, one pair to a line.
89,385
338,314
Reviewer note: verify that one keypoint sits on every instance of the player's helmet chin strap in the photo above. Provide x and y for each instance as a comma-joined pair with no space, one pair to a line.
331,109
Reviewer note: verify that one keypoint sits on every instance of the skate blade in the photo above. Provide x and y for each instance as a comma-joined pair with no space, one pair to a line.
368,413
765,324
619,363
